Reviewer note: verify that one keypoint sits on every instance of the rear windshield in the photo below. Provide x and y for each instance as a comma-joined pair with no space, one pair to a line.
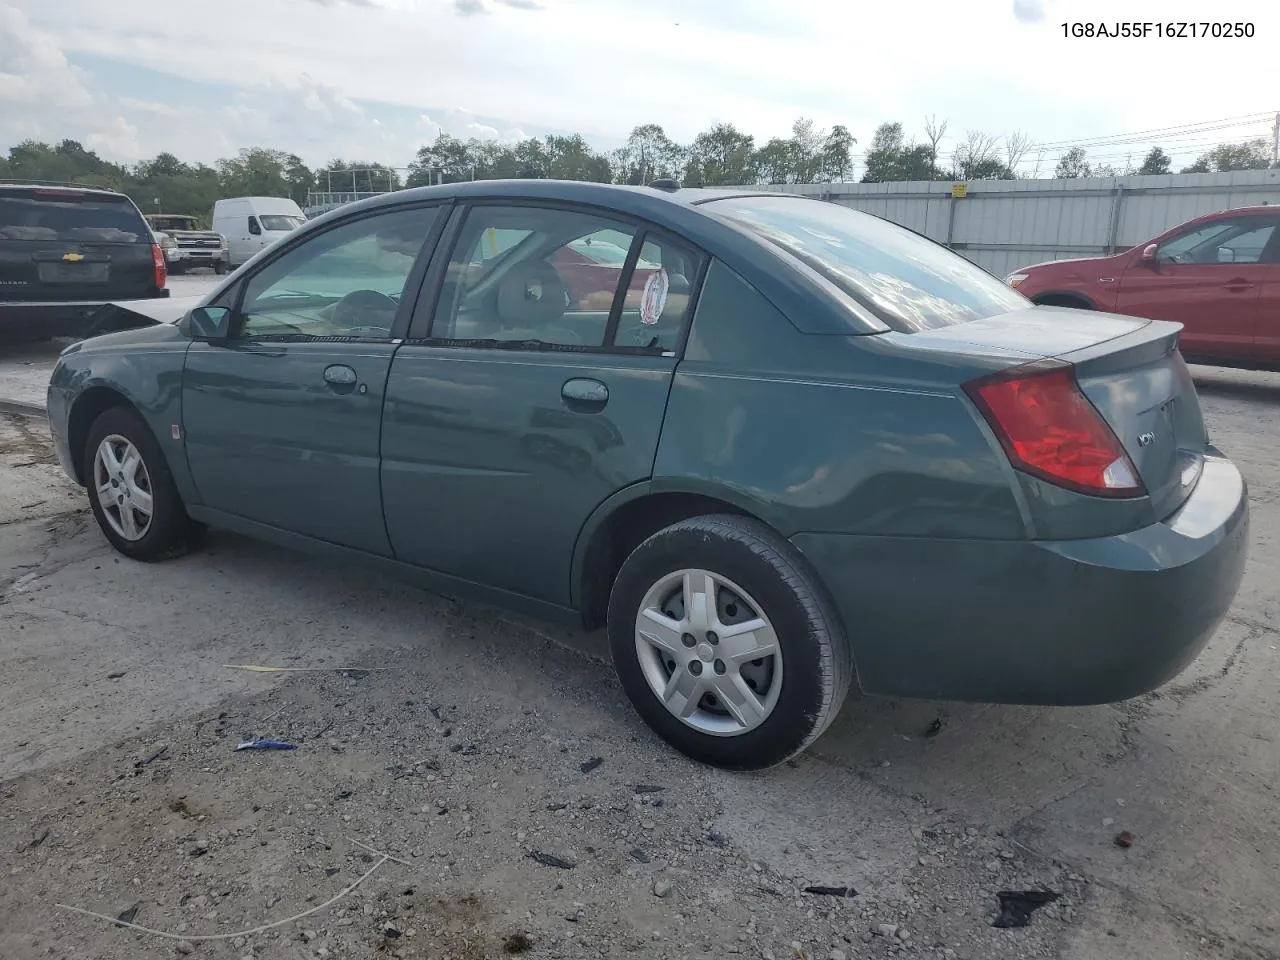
274,221
910,282
72,219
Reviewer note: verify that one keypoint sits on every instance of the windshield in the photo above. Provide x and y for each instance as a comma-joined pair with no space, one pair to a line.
172,223
69,217
909,281
275,221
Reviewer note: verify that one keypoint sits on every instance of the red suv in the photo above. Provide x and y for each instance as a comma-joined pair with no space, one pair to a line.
1217,275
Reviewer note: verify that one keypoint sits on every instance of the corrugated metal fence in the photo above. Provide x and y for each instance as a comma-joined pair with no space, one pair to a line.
1005,224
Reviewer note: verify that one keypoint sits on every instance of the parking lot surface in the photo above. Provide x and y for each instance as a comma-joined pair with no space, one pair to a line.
527,808
25,368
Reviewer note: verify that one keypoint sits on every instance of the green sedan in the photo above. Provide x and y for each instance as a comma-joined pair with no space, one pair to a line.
808,446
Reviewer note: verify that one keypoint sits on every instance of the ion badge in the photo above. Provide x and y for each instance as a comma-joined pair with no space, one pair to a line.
654,299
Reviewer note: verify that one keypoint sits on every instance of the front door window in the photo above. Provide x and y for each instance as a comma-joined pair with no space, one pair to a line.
345,282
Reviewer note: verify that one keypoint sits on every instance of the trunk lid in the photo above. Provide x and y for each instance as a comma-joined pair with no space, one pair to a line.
1132,373
69,245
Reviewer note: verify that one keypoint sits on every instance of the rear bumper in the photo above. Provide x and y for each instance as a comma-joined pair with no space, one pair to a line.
57,318
1067,622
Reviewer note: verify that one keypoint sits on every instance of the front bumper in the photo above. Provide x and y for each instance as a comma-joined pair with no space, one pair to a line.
58,409
1068,622
195,256
62,318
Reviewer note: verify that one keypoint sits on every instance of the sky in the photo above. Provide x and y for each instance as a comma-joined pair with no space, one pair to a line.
378,79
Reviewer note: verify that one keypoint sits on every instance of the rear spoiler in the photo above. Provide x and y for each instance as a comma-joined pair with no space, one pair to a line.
119,315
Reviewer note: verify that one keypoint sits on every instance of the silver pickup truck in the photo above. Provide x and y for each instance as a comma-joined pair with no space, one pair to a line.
185,245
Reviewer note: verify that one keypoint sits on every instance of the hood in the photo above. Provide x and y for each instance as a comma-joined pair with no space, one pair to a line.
1068,260
129,314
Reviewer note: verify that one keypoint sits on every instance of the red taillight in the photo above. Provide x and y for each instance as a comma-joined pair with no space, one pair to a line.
162,272
1050,430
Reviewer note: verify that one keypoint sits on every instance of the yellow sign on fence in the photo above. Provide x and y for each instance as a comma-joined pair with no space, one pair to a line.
959,190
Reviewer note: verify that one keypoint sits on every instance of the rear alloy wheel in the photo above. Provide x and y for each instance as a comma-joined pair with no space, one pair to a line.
131,490
725,643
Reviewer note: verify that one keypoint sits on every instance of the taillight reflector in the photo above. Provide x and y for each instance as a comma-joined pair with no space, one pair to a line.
1049,429
162,272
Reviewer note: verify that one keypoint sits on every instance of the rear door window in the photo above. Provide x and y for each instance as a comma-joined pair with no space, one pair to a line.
70,217
518,277
907,280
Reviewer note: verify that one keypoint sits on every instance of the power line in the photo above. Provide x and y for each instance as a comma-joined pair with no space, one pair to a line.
1160,131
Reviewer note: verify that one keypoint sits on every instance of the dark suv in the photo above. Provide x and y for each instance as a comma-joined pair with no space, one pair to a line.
64,252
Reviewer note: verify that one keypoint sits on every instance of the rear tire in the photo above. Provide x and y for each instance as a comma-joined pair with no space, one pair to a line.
691,674
131,489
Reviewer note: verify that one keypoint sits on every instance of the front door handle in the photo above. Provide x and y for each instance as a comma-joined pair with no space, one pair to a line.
1239,285
584,395
340,377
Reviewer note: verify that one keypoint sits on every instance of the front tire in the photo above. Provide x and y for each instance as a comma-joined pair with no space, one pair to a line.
220,267
726,644
131,489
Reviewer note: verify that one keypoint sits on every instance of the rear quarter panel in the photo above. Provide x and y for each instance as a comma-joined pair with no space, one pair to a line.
828,433
144,366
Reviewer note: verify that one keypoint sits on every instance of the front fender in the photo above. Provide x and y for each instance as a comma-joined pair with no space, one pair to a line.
141,367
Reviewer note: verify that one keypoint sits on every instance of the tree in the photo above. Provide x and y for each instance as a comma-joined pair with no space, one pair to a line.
722,156
571,158
1250,155
1016,147
648,155
1155,162
934,131
835,164
255,172
891,158
448,159
775,161
1073,164
978,158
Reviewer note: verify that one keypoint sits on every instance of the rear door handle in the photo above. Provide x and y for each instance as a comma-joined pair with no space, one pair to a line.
1238,285
584,394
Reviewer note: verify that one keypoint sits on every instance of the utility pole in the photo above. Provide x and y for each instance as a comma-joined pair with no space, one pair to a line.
1275,141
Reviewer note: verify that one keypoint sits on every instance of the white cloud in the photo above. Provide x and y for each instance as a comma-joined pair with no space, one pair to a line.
1028,11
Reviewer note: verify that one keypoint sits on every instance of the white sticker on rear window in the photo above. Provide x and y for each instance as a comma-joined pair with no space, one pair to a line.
654,299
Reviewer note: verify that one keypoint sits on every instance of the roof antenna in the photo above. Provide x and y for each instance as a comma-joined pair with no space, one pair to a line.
665,183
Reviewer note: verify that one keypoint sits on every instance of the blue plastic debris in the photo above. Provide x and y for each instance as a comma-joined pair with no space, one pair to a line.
266,745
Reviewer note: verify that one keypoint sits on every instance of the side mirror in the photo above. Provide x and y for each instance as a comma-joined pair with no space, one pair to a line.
210,323
1149,258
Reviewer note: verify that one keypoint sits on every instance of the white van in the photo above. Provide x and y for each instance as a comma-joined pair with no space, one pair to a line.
251,224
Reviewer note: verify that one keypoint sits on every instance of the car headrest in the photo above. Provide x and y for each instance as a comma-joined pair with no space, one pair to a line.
531,293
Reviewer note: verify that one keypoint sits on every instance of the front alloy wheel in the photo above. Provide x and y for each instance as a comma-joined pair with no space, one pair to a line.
124,487
131,490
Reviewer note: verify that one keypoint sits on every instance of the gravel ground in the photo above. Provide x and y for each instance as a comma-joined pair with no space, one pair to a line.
524,809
